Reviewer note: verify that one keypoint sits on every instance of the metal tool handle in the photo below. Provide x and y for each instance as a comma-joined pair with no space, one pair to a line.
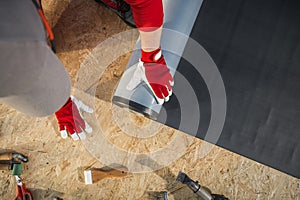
219,197
13,155
20,156
195,186
8,163
204,194
6,156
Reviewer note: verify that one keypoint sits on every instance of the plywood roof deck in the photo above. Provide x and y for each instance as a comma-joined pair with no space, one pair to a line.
56,165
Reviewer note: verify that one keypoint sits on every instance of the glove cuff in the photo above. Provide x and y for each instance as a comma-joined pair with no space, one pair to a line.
152,56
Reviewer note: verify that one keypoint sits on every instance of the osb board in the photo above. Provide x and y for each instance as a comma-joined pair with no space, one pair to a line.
55,163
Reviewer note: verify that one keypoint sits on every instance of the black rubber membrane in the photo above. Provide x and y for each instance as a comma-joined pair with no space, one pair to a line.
256,47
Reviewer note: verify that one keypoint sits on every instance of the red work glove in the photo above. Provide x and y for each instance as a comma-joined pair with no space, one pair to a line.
152,70
70,119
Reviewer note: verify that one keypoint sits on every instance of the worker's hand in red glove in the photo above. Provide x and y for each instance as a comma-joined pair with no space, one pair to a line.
70,119
152,69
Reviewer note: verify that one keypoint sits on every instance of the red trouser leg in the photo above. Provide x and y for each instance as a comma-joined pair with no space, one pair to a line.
148,14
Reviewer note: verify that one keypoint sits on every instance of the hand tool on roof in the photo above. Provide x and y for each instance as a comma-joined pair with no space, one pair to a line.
158,195
9,159
94,175
17,169
22,192
204,193
13,155
164,196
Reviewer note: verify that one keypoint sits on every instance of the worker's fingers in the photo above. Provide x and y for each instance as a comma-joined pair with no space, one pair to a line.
64,134
82,135
170,93
79,123
69,128
167,98
78,128
74,136
88,128
61,127
171,82
81,105
165,91
72,132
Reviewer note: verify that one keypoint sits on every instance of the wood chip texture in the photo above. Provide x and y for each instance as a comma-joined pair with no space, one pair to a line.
55,163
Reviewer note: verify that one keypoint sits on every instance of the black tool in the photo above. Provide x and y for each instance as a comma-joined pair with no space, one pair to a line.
19,156
8,160
204,193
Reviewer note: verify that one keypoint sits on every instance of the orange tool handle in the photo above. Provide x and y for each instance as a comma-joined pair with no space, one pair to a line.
6,156
4,167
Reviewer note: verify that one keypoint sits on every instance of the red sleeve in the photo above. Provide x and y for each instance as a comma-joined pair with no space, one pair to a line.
148,14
